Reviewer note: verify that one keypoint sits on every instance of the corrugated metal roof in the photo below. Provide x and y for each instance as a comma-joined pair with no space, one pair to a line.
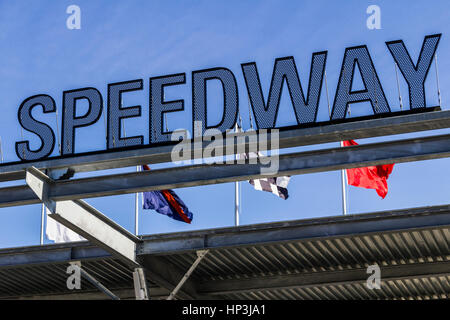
45,279
315,257
424,288
324,258
394,248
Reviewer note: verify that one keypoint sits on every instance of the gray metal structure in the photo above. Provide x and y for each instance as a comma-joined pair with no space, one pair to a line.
322,258
415,149
357,129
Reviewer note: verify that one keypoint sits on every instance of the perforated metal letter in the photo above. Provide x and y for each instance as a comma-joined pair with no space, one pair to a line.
116,113
285,69
415,75
230,101
372,92
42,130
71,121
158,106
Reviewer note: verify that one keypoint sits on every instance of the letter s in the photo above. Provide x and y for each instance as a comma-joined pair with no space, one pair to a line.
42,130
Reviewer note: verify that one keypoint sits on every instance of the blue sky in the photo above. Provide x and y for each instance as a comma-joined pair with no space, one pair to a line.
128,40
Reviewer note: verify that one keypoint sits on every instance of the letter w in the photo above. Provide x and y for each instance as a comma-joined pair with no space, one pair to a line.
285,69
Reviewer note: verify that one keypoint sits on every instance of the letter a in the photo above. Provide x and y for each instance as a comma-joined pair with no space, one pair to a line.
74,280
74,20
374,20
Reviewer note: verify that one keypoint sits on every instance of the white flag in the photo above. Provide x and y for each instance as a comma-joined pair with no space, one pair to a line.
57,232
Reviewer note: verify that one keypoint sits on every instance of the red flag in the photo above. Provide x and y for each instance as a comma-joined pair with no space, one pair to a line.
374,177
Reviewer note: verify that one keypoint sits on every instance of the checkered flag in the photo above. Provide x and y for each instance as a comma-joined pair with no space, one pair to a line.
276,185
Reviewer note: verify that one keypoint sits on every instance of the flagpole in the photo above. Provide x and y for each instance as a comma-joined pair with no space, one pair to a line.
1,149
136,213
43,205
398,88
344,188
236,196
437,79
343,172
236,192
42,224
136,195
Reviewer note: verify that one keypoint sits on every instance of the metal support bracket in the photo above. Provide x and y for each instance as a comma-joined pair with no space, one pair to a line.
85,220
140,284
94,281
200,255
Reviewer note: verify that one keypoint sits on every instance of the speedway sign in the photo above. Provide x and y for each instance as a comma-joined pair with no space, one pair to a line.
304,99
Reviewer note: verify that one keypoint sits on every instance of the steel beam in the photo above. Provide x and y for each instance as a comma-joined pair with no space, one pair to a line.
200,255
297,230
77,295
247,235
93,281
54,253
140,284
91,224
85,220
167,275
324,132
324,278
425,148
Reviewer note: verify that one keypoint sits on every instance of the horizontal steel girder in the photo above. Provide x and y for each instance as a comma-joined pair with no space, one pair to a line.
324,278
85,220
354,128
432,147
435,217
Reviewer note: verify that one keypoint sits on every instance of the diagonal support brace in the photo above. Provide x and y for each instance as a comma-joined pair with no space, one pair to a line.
200,255
140,284
85,220
95,282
